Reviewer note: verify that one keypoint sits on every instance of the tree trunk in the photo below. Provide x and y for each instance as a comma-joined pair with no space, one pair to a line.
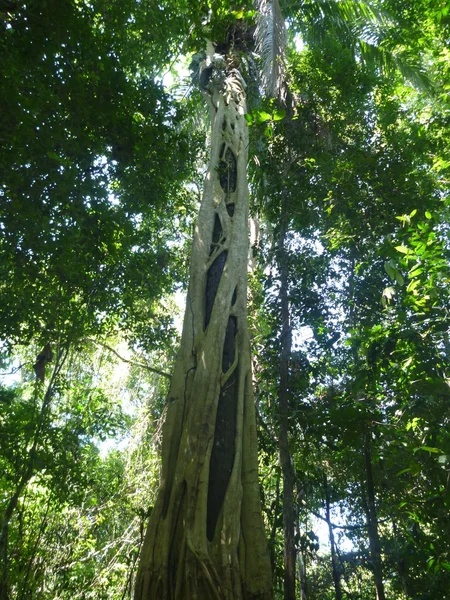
301,569
4,532
206,537
289,512
372,523
334,562
273,532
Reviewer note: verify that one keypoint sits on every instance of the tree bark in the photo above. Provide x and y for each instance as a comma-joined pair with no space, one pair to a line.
301,567
289,510
334,562
372,523
205,538
273,532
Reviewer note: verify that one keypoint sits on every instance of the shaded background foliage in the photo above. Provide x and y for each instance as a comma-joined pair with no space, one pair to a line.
92,161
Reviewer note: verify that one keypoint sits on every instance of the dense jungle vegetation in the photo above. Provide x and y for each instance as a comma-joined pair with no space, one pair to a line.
277,172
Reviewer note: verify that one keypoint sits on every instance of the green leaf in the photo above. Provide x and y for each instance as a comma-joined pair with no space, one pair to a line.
402,472
54,156
390,270
402,249
407,363
413,424
412,285
420,248
428,214
278,115
261,116
429,449
415,271
399,277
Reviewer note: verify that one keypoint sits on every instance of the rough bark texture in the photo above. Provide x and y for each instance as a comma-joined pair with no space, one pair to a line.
334,562
372,523
206,538
301,573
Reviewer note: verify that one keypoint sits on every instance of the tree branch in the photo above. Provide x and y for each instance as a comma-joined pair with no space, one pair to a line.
130,362
334,526
348,527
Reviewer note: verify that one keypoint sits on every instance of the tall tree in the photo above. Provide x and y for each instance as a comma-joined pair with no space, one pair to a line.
206,536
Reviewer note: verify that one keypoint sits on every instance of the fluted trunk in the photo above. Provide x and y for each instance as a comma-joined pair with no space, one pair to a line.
206,537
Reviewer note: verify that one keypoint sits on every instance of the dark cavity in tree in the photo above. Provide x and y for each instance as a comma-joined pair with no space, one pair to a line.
230,209
239,36
227,170
228,346
223,451
217,233
212,284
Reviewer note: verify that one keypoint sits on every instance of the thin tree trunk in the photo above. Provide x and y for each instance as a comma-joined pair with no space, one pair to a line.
289,511
402,569
301,573
372,523
273,532
370,508
11,507
301,567
334,562
41,530
205,538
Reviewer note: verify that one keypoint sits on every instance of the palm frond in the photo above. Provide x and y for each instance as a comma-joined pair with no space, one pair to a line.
363,25
346,16
270,38
388,62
